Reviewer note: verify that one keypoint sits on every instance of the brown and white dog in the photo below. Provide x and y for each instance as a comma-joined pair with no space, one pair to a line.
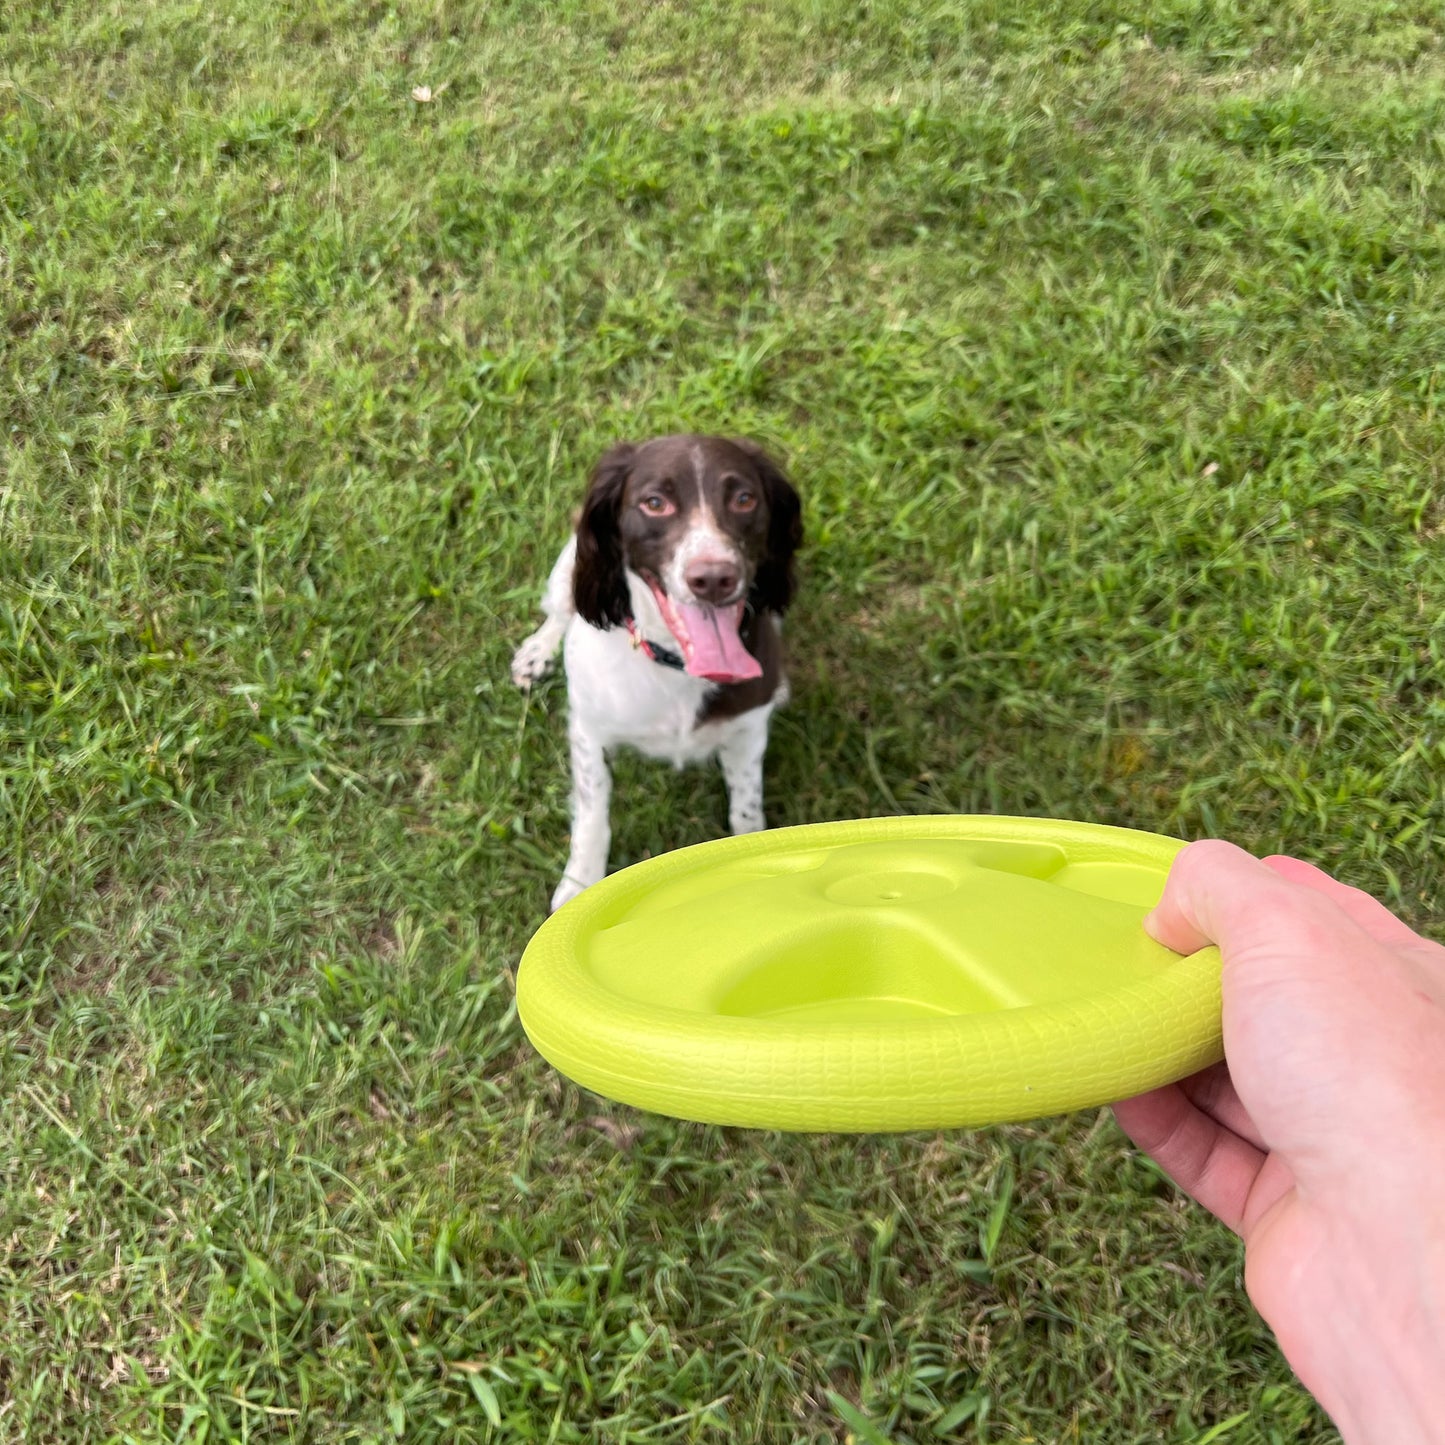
666,604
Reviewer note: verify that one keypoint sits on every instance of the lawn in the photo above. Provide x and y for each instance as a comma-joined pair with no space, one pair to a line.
1104,341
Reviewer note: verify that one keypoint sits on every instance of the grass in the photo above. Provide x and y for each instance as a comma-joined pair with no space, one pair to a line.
1103,341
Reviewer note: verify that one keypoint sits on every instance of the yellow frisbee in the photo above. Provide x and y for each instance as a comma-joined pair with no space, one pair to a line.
884,974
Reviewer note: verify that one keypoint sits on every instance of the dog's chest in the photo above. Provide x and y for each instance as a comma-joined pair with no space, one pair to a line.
625,699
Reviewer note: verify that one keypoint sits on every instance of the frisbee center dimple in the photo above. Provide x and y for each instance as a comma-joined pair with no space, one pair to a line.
875,889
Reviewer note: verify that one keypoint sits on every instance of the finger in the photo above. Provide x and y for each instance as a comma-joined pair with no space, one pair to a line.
1209,1162
1217,893
1368,913
1212,1092
1202,876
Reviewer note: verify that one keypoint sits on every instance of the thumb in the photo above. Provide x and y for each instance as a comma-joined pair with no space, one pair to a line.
1214,891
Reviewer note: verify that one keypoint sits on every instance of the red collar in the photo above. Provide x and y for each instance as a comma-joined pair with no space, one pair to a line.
665,656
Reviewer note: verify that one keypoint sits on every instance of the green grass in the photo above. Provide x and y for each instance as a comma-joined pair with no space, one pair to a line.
1103,340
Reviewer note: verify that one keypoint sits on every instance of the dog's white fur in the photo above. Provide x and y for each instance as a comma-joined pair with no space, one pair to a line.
618,697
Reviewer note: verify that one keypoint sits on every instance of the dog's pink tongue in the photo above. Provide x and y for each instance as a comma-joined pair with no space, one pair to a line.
715,651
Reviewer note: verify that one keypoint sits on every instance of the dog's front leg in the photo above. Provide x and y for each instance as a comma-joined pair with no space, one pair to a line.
741,756
591,825
533,658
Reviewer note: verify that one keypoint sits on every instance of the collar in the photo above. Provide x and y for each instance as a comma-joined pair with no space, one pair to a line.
665,656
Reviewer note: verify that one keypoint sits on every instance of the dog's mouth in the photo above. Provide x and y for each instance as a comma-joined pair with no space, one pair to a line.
708,637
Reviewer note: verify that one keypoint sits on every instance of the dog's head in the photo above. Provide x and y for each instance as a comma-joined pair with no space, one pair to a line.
709,524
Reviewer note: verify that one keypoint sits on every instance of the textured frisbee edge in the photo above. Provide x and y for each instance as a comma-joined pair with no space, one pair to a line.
965,1070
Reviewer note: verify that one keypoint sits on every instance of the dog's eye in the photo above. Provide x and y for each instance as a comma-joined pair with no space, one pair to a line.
743,500
656,505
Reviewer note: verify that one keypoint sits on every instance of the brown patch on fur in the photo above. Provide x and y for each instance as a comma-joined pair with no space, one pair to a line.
614,534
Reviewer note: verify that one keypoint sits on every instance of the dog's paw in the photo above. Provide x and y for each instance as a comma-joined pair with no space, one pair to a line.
566,891
745,813
532,660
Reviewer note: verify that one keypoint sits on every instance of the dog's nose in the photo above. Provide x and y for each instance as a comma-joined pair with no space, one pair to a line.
712,582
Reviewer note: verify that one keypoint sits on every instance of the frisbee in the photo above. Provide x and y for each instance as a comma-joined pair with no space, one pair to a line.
877,975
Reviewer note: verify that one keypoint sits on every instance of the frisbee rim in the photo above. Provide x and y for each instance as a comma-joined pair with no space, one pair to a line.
723,1068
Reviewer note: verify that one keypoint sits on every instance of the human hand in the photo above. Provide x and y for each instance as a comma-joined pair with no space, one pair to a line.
1321,1139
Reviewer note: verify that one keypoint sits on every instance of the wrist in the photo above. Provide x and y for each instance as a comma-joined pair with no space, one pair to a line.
1362,1320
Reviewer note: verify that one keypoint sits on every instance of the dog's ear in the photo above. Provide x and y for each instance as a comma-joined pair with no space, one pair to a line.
599,576
773,586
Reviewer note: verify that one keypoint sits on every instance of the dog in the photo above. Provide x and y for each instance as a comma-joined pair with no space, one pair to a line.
667,604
